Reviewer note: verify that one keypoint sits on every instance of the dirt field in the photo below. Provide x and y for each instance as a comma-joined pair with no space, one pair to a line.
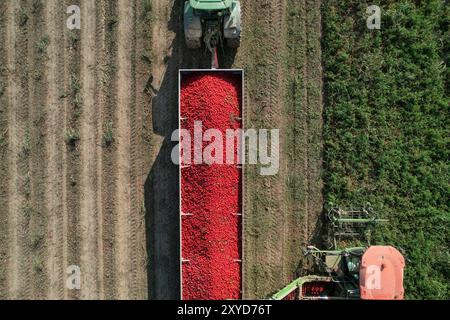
71,195
85,123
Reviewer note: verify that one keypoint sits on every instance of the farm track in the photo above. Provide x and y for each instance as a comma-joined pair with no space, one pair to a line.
4,163
278,211
72,191
17,92
314,80
265,207
37,123
281,211
100,102
107,102
161,195
54,183
122,162
88,145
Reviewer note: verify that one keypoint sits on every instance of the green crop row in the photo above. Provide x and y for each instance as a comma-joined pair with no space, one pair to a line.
387,128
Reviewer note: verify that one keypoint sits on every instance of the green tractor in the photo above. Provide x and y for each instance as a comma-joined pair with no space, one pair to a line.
212,22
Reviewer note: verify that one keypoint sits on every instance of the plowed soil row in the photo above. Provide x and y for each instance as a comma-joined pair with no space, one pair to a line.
71,126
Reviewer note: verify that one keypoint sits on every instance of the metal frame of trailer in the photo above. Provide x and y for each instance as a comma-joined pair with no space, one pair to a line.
182,72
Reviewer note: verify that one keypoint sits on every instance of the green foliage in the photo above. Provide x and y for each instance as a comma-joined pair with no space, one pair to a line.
36,6
22,16
26,147
42,44
147,8
74,94
74,38
2,89
3,139
386,128
112,22
108,135
71,137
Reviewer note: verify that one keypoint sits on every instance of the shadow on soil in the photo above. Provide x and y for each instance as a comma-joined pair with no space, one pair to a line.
319,239
161,187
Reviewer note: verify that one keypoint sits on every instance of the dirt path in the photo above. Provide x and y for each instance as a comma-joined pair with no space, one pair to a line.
4,163
123,150
54,151
14,198
161,193
314,80
100,106
140,146
38,42
21,209
88,146
266,209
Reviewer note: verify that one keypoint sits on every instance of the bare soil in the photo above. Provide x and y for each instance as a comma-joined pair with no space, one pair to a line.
86,118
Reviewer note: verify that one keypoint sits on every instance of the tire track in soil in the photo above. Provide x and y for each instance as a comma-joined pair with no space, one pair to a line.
101,106
261,53
306,102
278,188
14,197
140,146
4,154
18,263
71,159
88,151
248,248
123,170
162,227
306,116
244,192
136,223
315,109
253,250
107,99
55,147
37,128
295,138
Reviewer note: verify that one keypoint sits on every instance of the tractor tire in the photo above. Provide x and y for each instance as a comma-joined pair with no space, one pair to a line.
194,43
234,42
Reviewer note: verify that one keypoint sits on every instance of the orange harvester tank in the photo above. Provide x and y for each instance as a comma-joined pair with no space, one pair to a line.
381,274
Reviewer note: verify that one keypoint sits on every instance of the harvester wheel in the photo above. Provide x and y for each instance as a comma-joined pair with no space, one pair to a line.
234,42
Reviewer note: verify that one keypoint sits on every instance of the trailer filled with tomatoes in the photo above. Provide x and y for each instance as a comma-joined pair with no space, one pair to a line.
210,190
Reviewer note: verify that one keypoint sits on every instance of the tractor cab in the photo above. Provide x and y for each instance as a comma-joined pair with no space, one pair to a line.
211,9
212,22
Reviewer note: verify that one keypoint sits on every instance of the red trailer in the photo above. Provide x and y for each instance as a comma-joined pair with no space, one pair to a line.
211,206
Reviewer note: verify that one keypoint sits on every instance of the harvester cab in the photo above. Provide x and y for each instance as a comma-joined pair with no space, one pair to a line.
373,273
364,272
212,22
